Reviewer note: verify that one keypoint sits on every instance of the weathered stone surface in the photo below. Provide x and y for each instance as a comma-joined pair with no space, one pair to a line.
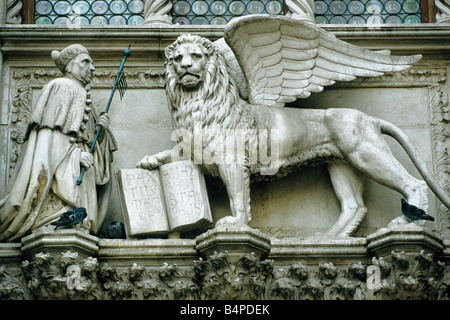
349,142
236,240
142,201
66,275
10,252
409,239
147,252
416,100
172,198
313,250
187,203
297,198
51,241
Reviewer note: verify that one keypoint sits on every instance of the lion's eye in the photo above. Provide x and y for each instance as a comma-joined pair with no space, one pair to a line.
197,56
177,58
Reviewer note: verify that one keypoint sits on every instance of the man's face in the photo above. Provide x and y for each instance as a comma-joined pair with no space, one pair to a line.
81,68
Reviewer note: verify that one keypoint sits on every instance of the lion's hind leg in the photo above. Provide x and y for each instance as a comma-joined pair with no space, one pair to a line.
359,138
348,185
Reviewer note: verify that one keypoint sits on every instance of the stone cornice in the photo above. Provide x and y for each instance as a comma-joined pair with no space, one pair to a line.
154,38
62,265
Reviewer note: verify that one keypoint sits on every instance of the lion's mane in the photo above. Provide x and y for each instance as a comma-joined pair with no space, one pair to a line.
216,102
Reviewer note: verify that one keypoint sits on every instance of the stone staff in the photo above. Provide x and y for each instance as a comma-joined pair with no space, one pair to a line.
120,84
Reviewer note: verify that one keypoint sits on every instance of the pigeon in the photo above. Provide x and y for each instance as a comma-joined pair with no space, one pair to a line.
71,218
116,230
414,213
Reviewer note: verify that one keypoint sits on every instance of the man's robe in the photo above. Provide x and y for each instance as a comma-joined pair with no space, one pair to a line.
45,185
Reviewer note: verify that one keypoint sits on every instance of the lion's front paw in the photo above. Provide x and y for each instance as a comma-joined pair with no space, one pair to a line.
402,220
149,163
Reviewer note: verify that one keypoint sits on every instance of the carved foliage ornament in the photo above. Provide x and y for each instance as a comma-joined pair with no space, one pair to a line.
68,277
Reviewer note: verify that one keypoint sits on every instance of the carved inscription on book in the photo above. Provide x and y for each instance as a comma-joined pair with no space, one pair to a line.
187,202
156,202
142,202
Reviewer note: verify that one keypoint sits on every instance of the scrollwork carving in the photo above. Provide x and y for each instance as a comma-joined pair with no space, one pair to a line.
20,119
103,78
440,118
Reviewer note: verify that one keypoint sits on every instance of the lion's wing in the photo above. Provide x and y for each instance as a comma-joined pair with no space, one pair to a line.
283,59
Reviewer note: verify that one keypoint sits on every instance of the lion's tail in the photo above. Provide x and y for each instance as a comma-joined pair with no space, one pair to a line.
396,133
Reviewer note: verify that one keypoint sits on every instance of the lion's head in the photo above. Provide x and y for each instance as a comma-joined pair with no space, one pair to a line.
188,57
199,86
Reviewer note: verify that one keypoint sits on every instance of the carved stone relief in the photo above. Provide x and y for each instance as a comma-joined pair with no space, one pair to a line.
301,9
186,75
67,276
25,80
440,119
435,80
20,118
443,11
10,11
157,11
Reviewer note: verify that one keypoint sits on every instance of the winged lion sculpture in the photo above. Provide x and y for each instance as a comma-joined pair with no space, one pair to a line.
241,83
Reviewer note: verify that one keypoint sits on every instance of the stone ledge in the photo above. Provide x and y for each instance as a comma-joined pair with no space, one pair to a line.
314,250
48,240
147,251
236,241
32,39
10,253
409,238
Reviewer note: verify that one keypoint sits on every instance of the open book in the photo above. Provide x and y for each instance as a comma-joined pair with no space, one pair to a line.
172,198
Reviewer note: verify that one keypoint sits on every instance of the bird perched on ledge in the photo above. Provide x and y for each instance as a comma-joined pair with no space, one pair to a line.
71,218
116,230
413,213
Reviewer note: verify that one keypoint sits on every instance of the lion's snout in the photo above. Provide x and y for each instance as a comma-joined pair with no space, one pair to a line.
190,80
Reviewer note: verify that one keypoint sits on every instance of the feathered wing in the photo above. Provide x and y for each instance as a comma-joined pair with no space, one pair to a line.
284,59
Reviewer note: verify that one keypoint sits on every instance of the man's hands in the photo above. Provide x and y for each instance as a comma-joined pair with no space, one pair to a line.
104,120
86,159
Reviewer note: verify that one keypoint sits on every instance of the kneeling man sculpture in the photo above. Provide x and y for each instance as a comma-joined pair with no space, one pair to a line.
270,61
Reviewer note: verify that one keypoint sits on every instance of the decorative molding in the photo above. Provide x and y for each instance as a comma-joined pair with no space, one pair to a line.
67,276
20,119
103,77
400,263
419,76
440,128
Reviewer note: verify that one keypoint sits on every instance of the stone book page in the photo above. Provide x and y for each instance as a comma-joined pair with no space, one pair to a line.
187,204
172,198
142,201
